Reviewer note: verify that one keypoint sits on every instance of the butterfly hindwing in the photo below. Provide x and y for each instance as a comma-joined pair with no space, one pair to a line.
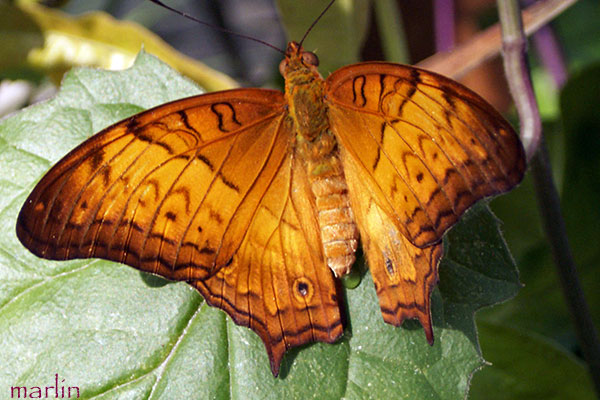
278,283
404,274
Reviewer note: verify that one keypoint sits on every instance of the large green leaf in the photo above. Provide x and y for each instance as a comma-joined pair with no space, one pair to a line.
528,366
119,333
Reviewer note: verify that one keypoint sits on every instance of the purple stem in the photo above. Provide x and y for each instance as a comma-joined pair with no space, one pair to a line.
549,51
443,14
550,54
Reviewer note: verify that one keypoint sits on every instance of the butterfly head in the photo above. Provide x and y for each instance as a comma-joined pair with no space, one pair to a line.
298,60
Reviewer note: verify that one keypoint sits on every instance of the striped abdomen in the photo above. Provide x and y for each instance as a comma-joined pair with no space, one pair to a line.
339,233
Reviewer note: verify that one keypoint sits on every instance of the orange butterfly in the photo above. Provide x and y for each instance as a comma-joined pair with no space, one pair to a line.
257,198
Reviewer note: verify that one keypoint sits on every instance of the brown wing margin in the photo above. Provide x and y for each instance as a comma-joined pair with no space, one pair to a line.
430,147
278,283
148,191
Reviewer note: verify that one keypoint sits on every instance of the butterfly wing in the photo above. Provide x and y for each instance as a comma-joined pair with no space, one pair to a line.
418,150
278,283
430,146
164,190
404,274
184,191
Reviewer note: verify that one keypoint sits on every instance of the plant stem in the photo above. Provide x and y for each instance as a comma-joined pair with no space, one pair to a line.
549,51
515,65
554,226
514,46
486,44
443,11
391,30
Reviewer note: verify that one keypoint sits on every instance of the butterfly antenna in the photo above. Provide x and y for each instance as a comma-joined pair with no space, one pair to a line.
218,28
315,21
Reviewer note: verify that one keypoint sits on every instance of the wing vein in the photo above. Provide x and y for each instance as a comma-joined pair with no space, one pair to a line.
272,281
82,190
471,130
309,250
366,127
460,143
235,135
269,154
381,147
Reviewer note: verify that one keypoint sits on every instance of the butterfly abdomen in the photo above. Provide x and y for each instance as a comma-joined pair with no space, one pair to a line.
339,234
317,147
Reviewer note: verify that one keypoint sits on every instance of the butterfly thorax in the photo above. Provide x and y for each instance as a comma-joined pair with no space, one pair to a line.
317,146
304,94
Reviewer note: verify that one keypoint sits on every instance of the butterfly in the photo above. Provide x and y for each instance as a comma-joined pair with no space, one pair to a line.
258,198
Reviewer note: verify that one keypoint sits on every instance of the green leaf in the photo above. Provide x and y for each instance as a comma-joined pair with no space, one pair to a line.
119,333
527,366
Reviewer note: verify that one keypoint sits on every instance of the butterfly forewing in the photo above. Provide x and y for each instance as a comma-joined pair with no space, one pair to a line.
429,146
148,191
